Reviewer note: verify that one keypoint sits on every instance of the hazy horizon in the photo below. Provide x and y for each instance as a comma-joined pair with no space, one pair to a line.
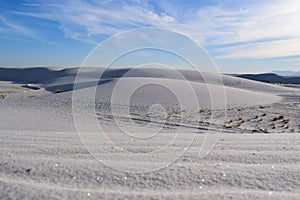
278,72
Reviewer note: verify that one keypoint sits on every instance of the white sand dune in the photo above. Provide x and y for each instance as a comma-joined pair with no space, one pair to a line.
90,74
57,166
156,90
53,78
42,156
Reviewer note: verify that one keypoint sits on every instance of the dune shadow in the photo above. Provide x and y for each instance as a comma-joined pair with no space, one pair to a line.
36,75
82,85
46,78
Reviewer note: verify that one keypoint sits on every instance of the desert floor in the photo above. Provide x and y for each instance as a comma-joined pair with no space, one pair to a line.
255,155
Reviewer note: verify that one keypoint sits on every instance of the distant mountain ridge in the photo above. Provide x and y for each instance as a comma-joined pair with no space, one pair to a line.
286,73
271,78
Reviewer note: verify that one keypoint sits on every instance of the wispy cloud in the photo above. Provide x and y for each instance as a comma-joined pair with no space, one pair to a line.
266,31
256,29
15,27
79,19
270,49
12,27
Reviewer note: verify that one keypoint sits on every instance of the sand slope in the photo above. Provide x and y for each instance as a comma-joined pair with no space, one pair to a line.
57,166
53,78
42,156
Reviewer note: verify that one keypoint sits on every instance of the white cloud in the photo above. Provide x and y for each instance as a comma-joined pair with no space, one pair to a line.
81,19
263,29
271,49
12,27
15,27
277,20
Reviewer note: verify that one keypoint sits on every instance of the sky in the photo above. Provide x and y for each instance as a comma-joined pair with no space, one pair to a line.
249,36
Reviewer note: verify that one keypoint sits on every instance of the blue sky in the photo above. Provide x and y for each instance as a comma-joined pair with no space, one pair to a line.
240,36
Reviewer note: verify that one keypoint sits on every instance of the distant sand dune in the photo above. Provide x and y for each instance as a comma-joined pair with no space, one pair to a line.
51,78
